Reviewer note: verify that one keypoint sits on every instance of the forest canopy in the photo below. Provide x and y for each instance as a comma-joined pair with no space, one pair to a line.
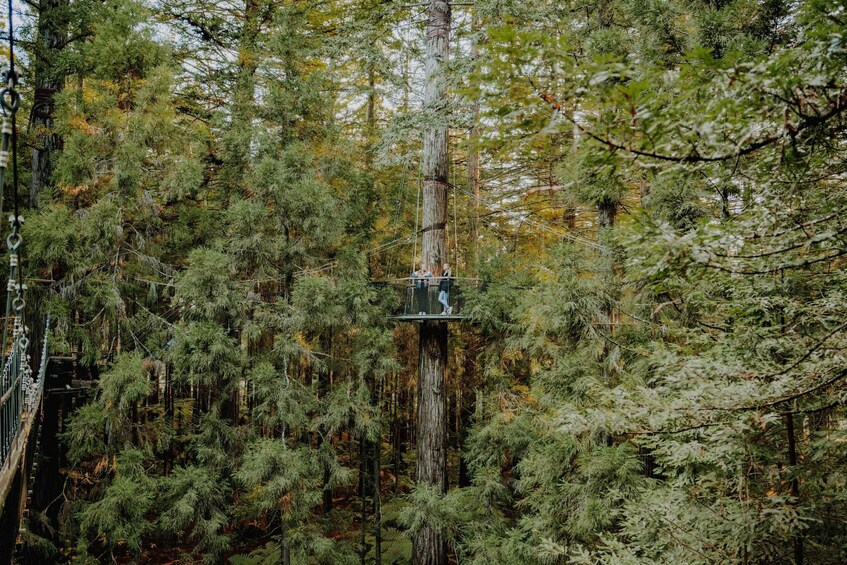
363,281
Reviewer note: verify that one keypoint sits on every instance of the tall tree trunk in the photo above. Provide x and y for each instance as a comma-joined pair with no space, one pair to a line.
436,158
48,82
377,503
429,546
363,489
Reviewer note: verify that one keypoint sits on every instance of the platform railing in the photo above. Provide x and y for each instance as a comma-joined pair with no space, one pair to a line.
416,298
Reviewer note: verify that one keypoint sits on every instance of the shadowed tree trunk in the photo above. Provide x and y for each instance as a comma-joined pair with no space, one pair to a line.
795,483
606,211
48,81
430,548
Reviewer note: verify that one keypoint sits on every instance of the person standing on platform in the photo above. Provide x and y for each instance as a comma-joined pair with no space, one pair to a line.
420,280
444,286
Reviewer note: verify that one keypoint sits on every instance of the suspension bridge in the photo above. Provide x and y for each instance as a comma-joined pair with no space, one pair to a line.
23,373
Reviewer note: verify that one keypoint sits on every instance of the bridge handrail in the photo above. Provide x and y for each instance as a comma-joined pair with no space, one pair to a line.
21,392
36,385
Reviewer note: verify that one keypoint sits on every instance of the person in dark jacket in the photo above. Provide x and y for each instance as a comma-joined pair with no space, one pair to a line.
420,280
444,286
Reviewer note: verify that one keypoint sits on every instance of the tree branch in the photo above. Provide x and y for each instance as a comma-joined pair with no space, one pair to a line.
839,105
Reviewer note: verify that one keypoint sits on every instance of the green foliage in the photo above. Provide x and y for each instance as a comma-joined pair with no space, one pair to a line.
203,352
279,475
193,501
206,287
37,548
287,481
661,380
120,515
667,389
125,383
281,400
428,507
85,433
350,407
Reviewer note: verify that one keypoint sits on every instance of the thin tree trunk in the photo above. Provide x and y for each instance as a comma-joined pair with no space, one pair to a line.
134,422
411,415
284,547
395,431
795,483
326,494
169,416
323,381
468,408
377,503
363,480
606,211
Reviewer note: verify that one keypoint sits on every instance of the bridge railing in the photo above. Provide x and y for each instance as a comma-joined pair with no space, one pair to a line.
21,391
11,404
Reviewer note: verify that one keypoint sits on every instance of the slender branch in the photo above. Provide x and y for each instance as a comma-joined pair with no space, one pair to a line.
773,252
676,431
808,354
796,395
839,105
778,268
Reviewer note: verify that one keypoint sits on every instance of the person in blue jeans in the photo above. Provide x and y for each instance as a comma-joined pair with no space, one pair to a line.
444,286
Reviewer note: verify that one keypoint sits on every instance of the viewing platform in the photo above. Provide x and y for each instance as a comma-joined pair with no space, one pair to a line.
417,302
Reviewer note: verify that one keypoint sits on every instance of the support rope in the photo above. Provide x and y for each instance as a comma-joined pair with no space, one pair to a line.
417,215
455,227
20,390
12,79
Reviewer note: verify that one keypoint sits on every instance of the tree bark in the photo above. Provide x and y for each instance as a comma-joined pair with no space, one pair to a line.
606,211
363,489
429,545
48,82
430,548
436,160
795,483
395,432
284,547
377,503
